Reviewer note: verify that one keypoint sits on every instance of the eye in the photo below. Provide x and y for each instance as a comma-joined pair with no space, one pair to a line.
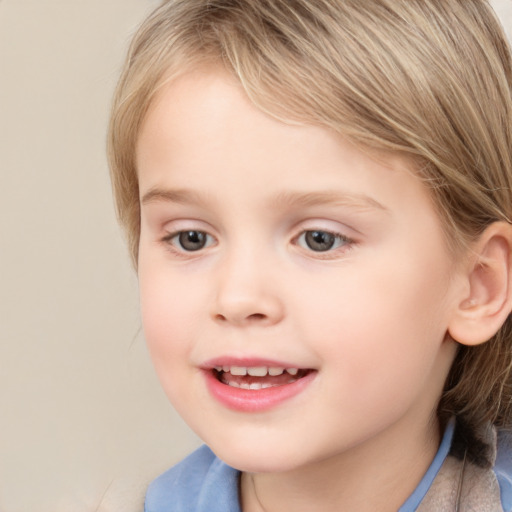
190,241
321,241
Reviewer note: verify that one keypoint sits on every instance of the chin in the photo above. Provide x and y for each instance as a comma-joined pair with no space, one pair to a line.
257,457
251,463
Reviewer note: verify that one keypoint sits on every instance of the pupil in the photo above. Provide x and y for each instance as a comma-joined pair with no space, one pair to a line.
319,240
192,240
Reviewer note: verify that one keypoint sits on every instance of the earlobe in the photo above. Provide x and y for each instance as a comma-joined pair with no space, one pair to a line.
487,300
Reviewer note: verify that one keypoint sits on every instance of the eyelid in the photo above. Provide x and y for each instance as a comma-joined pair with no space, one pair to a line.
335,252
176,228
172,236
338,236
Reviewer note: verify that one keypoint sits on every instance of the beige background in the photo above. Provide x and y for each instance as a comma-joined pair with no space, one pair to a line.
83,423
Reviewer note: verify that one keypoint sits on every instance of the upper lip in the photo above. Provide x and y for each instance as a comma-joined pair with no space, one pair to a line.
247,362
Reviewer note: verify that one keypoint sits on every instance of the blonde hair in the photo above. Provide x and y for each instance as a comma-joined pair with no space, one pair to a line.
429,78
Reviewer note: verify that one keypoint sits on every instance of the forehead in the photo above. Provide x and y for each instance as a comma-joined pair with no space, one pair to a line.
203,133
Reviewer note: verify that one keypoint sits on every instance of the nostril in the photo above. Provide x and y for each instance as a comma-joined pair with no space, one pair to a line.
256,316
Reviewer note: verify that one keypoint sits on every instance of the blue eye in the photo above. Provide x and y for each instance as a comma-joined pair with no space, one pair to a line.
321,241
191,240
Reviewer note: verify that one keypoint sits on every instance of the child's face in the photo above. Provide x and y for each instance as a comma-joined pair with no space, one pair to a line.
270,245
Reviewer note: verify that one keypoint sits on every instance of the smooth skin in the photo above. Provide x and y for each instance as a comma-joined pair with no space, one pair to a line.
306,249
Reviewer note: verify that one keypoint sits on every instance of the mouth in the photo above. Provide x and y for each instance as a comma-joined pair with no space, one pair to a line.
256,387
258,377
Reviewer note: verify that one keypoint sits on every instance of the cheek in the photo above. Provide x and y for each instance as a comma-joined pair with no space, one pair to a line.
169,308
379,329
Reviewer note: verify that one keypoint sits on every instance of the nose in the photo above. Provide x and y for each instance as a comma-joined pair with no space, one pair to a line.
246,294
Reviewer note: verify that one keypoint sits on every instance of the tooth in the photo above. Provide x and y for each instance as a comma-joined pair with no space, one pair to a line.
225,368
266,385
234,384
275,371
292,371
238,370
255,385
245,385
257,371
218,368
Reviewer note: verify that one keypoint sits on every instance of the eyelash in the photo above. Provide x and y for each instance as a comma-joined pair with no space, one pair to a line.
339,241
169,241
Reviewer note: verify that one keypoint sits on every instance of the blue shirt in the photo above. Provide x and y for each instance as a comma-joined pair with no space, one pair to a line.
203,483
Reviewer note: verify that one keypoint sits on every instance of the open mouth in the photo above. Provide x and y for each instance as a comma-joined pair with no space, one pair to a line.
255,386
258,377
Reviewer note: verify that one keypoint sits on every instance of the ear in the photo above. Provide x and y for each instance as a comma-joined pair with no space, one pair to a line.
487,298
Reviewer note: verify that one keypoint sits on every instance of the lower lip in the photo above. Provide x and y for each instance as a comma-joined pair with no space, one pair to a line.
255,400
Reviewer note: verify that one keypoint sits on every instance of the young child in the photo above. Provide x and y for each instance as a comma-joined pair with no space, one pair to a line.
318,200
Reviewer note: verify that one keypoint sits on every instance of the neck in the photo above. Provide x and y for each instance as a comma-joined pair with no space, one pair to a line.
377,476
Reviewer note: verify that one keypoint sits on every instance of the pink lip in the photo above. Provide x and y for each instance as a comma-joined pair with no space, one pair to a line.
246,400
245,361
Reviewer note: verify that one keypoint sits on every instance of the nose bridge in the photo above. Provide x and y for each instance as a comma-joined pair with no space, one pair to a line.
246,292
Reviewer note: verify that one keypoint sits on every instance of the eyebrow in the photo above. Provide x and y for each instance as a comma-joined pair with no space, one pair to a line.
329,198
180,196
280,200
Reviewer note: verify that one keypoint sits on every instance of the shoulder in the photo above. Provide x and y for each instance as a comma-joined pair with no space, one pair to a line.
503,469
456,482
194,484
181,482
